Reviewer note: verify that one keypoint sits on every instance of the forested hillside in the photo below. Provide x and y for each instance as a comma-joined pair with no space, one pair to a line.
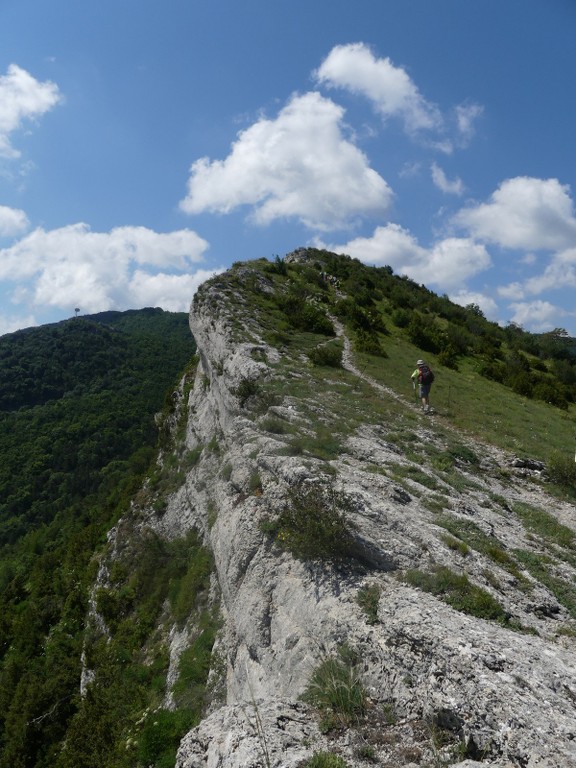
77,433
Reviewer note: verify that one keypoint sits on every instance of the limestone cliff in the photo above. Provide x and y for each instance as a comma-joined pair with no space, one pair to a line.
443,682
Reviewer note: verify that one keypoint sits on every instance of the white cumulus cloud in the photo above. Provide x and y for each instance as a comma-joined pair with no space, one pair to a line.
449,186
297,166
74,266
171,292
486,303
559,273
12,221
511,291
448,264
11,323
466,116
537,315
390,89
22,98
524,213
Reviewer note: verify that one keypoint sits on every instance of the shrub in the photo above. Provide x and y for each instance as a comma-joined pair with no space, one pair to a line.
313,525
327,354
255,484
448,356
368,599
369,343
303,314
194,667
160,737
550,393
247,389
336,689
401,318
314,320
494,370
520,382
562,470
422,334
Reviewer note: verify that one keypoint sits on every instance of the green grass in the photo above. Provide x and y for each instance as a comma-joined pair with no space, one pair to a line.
368,599
456,545
476,405
539,567
325,760
336,689
457,590
415,474
470,535
545,525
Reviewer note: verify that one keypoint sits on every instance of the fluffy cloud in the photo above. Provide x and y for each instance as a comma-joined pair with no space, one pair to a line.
10,323
390,89
171,292
390,245
448,264
538,315
22,98
511,291
560,273
450,187
466,116
524,213
455,260
12,221
296,166
486,303
73,266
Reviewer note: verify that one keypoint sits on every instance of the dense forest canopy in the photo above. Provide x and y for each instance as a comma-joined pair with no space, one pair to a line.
77,433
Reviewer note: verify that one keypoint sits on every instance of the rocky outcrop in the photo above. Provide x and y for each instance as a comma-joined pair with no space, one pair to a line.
443,686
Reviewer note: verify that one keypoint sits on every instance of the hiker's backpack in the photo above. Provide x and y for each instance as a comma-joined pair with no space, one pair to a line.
425,375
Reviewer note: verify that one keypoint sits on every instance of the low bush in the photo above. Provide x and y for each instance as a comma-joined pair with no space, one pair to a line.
327,354
368,342
336,689
368,599
423,335
561,469
401,318
448,356
245,390
313,525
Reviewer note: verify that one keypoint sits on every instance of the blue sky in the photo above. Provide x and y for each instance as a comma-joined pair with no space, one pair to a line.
145,146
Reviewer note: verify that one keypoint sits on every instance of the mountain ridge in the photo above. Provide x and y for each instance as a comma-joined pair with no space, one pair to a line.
350,532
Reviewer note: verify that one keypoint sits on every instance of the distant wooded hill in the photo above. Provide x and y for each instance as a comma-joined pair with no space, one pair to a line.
77,433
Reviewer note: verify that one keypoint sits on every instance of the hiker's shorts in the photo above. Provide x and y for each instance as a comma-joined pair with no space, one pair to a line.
424,390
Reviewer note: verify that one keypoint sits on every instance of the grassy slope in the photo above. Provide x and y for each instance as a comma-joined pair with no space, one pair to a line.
482,408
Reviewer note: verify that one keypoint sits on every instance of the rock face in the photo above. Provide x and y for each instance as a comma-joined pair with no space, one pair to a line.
444,686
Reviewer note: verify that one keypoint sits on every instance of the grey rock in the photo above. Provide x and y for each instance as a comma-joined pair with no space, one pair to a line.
507,697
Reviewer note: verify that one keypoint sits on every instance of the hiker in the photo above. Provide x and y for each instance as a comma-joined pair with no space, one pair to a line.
424,376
